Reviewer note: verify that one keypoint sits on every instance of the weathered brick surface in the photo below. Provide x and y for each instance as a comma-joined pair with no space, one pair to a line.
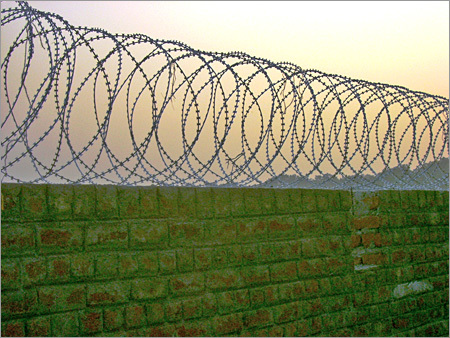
151,261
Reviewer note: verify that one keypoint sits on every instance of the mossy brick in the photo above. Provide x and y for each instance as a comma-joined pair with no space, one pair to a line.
252,230
84,202
224,279
106,264
409,200
308,225
220,258
18,240
309,200
186,234
234,255
128,202
237,202
255,275
167,261
58,269
209,304
34,270
107,235
107,206
91,321
256,297
328,200
185,260
65,324
128,263
149,233
60,201
148,202
11,276
135,316
233,301
205,203
310,268
82,266
281,227
187,202
14,328
174,310
113,318
285,312
60,237
257,318
367,222
39,327
167,201
220,231
162,330
198,328
34,202
282,201
203,258
192,308
188,283
252,201
286,271
149,288
11,207
58,298
251,253
267,201
155,313
296,201
105,293
222,202
225,325
19,303
335,223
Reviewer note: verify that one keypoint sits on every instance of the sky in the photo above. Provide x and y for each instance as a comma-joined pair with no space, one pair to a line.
402,43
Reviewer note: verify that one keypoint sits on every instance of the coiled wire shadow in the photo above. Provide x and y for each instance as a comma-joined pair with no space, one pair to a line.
81,105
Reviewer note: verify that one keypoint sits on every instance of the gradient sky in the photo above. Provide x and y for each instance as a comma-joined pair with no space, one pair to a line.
402,43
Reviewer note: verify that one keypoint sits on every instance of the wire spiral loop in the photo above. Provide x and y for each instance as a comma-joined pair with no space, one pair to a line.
82,105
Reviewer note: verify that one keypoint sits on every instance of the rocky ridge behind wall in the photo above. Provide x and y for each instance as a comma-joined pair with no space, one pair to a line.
116,261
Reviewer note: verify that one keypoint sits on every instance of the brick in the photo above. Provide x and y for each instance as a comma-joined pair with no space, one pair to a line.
252,230
187,283
19,303
221,202
109,235
281,228
91,321
267,201
65,324
209,304
147,263
60,238
335,223
250,253
108,293
283,201
187,202
106,265
283,272
366,222
203,258
149,288
59,268
167,201
167,261
375,258
308,225
128,202
233,301
186,234
155,313
149,233
185,260
164,330
205,202
257,318
370,240
148,199
310,268
128,264
11,208
84,200
193,329
328,200
18,240
107,205
255,275
219,258
221,231
113,318
10,274
34,271
285,312
227,324
60,201
13,329
62,298
252,201
192,308
174,310
34,202
135,316
236,202
223,279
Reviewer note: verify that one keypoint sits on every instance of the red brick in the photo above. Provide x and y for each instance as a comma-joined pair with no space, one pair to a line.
174,310
193,329
227,324
17,239
224,279
164,330
135,316
61,298
281,228
59,268
255,275
286,312
108,293
39,327
257,318
149,288
192,308
149,233
283,271
155,313
310,268
400,256
220,232
13,329
371,239
91,321
51,238
113,318
233,301
19,303
186,233
366,222
187,283
252,230
107,235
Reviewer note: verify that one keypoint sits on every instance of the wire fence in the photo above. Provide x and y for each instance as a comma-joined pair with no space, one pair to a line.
82,105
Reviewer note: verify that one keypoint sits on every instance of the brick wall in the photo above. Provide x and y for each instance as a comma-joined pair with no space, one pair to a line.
117,261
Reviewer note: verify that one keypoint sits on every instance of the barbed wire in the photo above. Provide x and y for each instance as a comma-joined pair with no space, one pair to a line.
82,105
